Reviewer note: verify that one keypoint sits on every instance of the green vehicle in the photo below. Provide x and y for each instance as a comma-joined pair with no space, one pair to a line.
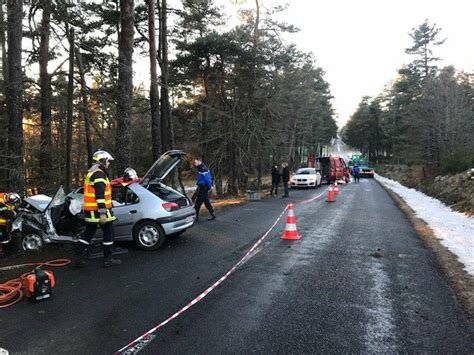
363,163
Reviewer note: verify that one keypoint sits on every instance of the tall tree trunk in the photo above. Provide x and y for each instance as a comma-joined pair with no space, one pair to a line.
14,96
3,46
167,134
4,73
85,106
205,108
125,86
45,159
154,94
70,97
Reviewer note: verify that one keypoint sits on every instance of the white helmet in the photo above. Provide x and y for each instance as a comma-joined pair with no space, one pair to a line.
12,198
130,174
101,157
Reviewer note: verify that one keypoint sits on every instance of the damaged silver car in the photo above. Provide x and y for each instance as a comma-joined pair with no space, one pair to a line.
147,211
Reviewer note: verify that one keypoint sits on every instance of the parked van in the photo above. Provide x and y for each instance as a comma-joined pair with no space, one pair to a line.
332,168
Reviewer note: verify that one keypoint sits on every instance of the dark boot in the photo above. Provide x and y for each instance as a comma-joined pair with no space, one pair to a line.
213,217
108,260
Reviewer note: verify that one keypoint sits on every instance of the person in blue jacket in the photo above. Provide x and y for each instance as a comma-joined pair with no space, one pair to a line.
204,184
356,172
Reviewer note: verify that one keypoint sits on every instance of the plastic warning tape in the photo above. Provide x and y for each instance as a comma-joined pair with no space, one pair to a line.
140,342
312,199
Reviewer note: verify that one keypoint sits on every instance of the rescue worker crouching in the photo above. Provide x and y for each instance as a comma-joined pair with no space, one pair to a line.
9,202
98,210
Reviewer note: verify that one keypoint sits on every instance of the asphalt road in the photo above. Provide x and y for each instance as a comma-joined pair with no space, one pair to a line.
326,293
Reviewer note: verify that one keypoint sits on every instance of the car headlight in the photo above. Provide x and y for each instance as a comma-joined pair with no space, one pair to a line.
16,225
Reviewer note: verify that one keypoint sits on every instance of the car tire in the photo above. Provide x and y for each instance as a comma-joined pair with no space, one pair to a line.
29,243
148,235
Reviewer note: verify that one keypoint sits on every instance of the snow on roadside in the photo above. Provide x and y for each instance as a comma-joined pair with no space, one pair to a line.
454,229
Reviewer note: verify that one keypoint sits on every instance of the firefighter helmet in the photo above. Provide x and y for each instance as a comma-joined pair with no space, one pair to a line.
130,174
12,198
102,157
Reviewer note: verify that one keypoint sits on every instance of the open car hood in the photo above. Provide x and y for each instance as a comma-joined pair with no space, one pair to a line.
40,202
163,166
43,202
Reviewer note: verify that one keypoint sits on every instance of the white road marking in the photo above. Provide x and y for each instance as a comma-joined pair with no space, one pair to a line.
380,329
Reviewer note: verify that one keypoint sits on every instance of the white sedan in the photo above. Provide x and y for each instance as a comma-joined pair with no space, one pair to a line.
306,177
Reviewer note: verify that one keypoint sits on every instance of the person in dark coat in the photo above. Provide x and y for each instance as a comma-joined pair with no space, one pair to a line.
276,177
204,184
285,176
356,172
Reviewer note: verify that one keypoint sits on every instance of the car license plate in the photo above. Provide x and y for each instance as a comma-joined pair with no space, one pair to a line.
189,219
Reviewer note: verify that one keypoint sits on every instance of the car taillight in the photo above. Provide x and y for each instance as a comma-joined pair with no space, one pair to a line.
170,206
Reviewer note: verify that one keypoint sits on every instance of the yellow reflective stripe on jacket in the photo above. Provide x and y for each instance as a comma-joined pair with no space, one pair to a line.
94,217
99,180
90,194
90,203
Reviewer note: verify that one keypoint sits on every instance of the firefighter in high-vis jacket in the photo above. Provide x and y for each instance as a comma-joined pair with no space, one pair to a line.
98,209
9,201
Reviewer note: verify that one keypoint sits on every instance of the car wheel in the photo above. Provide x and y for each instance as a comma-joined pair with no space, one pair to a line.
149,235
29,242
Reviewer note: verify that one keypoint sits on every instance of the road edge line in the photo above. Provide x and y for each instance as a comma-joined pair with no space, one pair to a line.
446,261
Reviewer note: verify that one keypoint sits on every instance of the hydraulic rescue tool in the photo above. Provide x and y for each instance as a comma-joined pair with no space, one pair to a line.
38,284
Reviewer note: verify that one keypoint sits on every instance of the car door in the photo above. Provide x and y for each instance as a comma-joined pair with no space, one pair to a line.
126,209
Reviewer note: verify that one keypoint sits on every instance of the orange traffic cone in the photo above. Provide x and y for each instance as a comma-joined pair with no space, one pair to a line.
336,188
290,229
330,195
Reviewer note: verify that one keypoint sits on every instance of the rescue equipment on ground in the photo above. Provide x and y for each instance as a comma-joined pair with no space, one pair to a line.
36,285
290,229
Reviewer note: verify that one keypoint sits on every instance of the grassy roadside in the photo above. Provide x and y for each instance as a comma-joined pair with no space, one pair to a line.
447,262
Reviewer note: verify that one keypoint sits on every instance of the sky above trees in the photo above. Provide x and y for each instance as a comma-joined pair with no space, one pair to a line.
360,44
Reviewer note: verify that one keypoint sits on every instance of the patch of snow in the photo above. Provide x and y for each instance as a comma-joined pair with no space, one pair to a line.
454,229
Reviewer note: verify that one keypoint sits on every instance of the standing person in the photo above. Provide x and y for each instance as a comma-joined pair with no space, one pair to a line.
275,180
8,204
356,172
98,210
204,184
285,176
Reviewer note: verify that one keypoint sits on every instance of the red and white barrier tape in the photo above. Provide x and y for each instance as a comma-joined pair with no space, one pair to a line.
313,198
140,342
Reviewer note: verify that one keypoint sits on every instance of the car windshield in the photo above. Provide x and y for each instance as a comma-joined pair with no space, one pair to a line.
59,198
306,172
